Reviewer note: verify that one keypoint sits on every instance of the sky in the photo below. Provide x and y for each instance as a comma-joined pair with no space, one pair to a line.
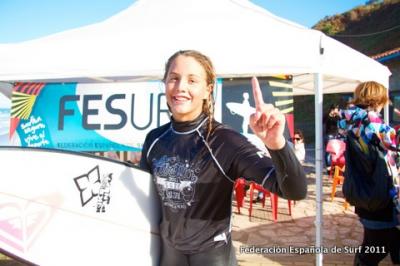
22,20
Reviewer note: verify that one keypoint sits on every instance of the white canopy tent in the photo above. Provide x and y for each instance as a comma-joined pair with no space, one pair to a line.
241,38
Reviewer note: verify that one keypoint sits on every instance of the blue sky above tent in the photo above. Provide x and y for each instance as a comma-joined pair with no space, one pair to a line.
22,20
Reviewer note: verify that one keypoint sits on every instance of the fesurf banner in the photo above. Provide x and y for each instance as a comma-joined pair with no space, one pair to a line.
87,116
118,116
4,126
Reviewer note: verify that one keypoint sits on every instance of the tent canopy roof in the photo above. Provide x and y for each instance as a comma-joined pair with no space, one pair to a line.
242,40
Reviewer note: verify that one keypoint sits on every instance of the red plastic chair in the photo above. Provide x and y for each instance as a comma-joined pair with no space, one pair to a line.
273,198
240,192
336,148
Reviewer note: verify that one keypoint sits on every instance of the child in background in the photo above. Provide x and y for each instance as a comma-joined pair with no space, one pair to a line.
363,119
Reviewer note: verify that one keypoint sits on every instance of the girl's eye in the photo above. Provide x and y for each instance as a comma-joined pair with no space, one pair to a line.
191,81
172,79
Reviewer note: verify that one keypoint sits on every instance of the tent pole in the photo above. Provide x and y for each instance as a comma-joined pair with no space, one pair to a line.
386,108
318,87
386,114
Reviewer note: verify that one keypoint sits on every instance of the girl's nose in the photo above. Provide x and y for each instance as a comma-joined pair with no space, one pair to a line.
182,85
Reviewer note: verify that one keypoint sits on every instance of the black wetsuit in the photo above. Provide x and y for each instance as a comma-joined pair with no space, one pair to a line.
195,179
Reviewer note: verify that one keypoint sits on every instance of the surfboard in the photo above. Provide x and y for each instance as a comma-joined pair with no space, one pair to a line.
68,208
240,109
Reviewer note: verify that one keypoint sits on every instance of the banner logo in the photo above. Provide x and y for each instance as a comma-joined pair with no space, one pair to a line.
91,186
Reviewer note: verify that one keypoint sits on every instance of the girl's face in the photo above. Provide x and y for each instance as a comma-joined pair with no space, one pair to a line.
334,111
186,88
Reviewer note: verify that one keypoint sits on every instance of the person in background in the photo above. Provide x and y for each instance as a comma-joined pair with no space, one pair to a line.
396,111
298,145
134,157
330,120
195,161
112,155
363,119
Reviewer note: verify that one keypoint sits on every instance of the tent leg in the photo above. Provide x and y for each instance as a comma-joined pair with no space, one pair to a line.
318,86
386,108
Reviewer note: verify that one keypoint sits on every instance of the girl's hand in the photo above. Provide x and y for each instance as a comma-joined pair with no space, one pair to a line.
268,123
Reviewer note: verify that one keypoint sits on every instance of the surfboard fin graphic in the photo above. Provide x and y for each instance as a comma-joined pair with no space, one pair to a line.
88,185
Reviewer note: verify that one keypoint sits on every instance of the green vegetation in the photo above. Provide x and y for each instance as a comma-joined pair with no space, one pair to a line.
372,28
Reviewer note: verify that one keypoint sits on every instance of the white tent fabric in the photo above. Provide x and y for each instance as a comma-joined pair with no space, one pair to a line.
241,38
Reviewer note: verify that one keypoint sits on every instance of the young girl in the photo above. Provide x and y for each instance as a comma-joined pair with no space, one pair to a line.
363,119
195,161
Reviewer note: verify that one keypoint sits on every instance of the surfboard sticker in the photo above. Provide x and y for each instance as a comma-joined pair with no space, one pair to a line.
61,208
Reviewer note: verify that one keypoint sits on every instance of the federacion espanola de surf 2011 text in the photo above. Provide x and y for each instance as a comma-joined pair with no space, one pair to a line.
299,250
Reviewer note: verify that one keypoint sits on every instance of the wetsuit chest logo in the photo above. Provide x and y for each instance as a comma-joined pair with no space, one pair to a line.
175,179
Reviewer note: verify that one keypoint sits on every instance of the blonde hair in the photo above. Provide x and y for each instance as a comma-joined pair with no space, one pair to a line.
205,62
370,94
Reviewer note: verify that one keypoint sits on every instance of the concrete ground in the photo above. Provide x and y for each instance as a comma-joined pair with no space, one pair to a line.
284,240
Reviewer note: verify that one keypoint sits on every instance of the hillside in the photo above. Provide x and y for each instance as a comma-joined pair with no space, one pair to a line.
371,28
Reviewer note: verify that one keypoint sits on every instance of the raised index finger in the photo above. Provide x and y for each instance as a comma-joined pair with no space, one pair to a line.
258,98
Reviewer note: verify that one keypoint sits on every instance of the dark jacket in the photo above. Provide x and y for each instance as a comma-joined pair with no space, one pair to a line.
370,130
